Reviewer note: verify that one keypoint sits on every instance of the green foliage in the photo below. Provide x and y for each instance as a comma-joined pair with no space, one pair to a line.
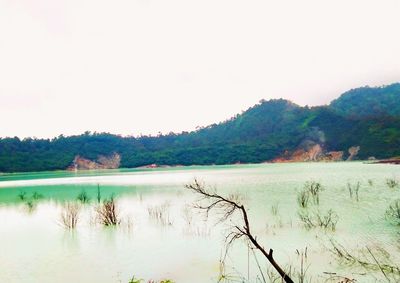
368,117
369,102
83,197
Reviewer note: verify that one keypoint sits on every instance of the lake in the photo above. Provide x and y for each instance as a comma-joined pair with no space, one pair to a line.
162,235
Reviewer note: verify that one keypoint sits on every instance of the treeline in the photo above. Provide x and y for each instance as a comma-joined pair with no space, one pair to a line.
261,133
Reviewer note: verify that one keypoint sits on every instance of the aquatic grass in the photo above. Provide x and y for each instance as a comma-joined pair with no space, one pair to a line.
353,190
302,273
98,194
83,197
377,259
311,191
314,188
30,204
187,215
107,213
69,215
316,219
22,195
303,198
392,183
393,212
160,213
37,196
136,280
275,209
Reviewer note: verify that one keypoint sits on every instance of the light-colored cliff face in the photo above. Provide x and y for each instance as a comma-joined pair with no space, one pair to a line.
311,153
353,151
103,162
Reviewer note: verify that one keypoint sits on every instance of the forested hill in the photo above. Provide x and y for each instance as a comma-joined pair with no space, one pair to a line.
365,117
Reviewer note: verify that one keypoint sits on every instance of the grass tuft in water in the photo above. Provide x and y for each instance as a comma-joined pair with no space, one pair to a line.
275,209
303,198
353,190
393,212
314,189
316,219
37,196
83,197
136,280
377,259
70,215
392,183
22,195
160,213
107,213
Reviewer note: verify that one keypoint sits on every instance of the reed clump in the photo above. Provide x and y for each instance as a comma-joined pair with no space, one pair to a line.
392,183
275,209
70,215
316,219
83,197
303,198
136,280
314,189
107,213
310,192
377,259
393,212
22,195
160,213
353,190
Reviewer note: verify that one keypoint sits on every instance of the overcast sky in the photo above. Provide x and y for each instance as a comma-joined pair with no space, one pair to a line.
144,66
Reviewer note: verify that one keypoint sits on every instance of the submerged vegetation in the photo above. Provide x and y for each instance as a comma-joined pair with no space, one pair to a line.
377,259
303,198
310,192
136,280
107,213
392,183
70,215
314,189
316,219
83,197
160,213
393,212
353,190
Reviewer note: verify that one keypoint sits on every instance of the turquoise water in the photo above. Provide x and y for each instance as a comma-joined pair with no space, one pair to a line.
186,247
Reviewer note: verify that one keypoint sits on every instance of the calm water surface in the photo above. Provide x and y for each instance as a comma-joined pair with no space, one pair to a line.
185,246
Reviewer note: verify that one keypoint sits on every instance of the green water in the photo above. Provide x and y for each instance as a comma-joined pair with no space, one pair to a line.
188,248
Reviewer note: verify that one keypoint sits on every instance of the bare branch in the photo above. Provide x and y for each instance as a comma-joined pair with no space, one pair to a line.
228,206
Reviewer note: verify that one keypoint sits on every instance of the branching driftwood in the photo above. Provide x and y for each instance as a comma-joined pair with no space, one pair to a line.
229,206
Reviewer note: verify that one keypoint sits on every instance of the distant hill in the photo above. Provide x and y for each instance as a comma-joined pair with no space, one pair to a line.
274,130
369,101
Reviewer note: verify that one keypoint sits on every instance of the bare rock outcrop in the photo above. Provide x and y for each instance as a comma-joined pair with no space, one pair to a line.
103,162
312,153
353,151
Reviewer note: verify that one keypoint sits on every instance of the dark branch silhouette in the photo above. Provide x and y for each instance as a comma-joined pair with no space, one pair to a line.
229,205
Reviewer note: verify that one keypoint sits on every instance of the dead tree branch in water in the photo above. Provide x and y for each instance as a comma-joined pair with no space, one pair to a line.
228,206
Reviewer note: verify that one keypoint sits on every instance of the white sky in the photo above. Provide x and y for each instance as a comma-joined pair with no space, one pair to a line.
143,66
